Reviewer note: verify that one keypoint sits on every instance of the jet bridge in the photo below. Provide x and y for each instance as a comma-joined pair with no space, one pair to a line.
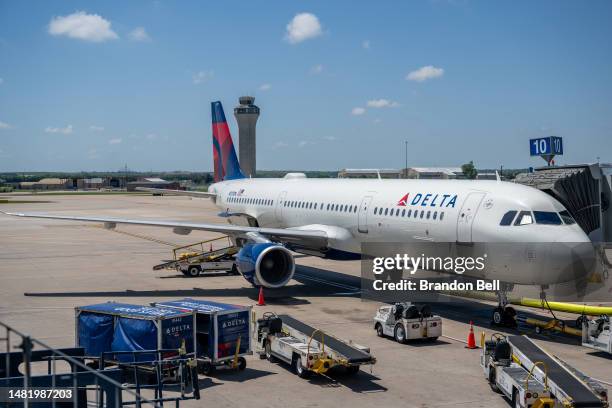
585,190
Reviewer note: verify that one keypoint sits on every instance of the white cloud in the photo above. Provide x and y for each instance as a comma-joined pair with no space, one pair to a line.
95,128
365,44
151,136
316,70
265,87
382,103
358,111
329,138
303,143
116,140
4,125
139,34
202,76
302,27
83,26
63,130
425,73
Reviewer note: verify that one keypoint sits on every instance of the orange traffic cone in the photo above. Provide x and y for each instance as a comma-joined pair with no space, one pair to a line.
260,299
471,340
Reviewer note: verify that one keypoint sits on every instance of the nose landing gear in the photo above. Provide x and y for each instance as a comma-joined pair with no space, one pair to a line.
504,315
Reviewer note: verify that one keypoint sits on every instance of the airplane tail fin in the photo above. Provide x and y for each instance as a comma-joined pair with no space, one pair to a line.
225,159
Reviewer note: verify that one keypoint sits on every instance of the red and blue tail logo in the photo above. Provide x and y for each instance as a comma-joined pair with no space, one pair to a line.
225,159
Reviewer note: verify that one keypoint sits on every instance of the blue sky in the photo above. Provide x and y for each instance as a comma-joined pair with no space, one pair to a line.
95,85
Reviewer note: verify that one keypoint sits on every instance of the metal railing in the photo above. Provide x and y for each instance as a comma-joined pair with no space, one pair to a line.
104,381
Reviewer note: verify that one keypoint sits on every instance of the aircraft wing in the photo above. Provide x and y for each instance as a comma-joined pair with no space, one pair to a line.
311,238
201,194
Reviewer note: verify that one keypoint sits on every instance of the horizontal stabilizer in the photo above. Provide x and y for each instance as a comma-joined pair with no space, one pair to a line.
201,194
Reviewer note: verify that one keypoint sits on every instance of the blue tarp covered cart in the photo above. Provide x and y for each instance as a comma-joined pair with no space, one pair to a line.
121,327
219,326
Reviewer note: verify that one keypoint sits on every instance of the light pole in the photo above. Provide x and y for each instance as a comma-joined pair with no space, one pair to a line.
406,162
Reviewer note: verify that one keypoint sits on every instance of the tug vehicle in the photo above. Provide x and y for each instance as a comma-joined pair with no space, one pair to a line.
308,350
596,334
405,321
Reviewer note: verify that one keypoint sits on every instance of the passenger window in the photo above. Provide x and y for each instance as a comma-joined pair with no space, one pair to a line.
567,218
428,214
508,218
386,210
547,217
409,213
422,213
416,213
524,218
403,212
441,215
435,215
375,210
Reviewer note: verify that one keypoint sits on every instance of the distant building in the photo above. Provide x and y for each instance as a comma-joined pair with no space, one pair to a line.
433,173
92,183
486,176
47,184
369,173
153,182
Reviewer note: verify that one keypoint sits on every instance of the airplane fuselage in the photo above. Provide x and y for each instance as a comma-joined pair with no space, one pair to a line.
357,211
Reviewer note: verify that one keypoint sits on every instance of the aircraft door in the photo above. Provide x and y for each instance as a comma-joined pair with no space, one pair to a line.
362,222
279,205
466,216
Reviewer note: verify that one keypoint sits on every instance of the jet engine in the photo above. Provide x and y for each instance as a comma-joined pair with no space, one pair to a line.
266,264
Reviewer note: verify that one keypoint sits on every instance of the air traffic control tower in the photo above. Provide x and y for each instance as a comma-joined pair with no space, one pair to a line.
246,115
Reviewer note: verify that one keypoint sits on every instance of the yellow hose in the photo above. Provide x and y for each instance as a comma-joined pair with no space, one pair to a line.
566,307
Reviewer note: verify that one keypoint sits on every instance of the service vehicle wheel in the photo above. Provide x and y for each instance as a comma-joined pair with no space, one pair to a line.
193,271
516,400
379,330
206,368
241,363
352,370
299,369
399,333
492,382
269,355
498,316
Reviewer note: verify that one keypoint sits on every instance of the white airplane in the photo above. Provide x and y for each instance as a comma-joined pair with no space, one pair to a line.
332,218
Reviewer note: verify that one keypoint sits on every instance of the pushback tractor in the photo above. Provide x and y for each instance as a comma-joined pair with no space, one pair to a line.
530,377
308,350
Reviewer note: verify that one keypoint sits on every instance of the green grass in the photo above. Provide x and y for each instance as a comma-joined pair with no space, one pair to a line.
22,202
70,193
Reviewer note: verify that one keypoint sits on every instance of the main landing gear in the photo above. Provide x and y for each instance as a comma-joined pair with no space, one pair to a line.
504,315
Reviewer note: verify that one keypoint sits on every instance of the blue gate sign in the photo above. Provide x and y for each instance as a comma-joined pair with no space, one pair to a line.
551,145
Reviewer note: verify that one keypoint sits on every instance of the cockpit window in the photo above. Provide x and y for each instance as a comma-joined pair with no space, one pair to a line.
547,217
524,218
508,217
567,218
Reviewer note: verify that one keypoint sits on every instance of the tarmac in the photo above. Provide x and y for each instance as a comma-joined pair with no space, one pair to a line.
48,267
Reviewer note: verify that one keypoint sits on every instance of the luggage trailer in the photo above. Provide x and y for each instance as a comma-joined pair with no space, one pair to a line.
530,377
307,349
222,332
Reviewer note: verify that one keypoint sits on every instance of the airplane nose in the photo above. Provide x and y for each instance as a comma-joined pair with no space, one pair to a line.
574,260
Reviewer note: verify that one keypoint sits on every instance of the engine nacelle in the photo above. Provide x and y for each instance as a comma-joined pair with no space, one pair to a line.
266,264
